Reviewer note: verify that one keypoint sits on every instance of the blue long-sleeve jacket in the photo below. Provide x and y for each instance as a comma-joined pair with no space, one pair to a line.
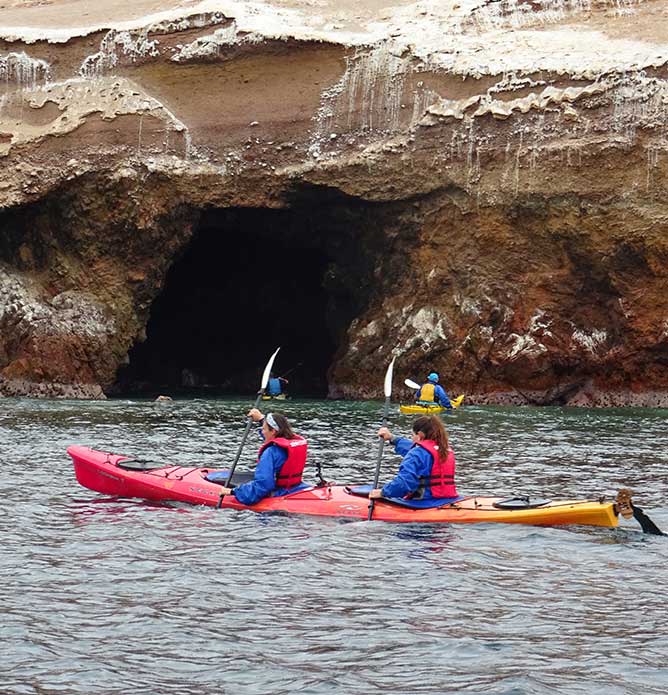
274,386
440,396
417,462
264,482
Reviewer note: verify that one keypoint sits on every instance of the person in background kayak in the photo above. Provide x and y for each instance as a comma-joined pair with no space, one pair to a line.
275,385
431,392
427,470
280,462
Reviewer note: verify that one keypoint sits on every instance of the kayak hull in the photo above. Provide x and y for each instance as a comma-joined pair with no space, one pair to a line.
421,409
100,471
417,409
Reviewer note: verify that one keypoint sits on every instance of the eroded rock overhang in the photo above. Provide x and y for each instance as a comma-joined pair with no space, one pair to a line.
514,156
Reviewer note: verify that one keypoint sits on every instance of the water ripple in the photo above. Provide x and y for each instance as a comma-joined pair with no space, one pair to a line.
107,596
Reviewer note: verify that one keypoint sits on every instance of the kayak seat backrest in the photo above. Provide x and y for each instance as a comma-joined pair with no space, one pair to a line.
364,490
221,477
423,504
359,490
291,491
520,503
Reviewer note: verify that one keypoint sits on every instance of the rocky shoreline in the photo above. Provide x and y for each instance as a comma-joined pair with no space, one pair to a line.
476,188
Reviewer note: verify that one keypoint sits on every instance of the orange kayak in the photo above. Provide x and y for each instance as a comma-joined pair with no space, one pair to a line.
121,476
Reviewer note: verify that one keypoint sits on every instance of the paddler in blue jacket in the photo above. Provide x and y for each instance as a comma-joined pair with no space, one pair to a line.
275,385
280,464
427,470
431,392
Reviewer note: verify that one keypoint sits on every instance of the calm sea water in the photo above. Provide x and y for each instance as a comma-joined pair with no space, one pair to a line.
107,596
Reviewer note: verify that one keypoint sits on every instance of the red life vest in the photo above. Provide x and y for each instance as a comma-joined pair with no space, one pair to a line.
441,479
290,473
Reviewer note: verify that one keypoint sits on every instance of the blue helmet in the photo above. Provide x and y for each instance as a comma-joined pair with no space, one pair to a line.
433,377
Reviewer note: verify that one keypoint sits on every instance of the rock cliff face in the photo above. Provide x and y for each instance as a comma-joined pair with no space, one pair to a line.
476,187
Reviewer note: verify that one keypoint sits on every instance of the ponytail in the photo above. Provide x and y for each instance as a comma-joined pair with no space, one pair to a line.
432,428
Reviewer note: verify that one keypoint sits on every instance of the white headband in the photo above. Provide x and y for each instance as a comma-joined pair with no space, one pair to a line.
269,418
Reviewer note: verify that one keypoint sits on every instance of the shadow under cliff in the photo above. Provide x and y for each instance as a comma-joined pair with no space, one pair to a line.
251,280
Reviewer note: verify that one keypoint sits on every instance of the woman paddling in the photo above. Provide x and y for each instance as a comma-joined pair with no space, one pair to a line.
280,462
427,470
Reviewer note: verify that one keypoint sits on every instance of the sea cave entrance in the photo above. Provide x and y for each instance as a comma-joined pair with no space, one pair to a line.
249,281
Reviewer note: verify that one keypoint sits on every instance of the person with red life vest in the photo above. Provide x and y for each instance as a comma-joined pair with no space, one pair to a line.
280,462
427,470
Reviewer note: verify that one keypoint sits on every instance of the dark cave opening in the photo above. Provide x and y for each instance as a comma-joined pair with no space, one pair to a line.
252,280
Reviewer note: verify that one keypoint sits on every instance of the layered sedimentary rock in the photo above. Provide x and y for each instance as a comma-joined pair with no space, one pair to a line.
487,181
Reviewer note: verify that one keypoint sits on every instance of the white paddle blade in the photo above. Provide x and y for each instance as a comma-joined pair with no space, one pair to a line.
411,384
267,370
388,379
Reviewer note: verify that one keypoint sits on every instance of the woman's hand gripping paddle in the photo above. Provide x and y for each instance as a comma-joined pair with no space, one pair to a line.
260,393
386,408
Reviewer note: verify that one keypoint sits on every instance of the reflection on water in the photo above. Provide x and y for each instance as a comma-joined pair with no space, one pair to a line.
109,596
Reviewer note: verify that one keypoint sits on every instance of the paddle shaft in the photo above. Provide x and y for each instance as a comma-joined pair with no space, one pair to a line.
381,444
290,370
241,446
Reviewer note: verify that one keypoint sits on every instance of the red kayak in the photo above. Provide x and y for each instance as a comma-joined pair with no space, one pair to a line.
122,476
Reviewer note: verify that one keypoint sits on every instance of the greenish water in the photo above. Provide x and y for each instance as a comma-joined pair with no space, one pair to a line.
111,596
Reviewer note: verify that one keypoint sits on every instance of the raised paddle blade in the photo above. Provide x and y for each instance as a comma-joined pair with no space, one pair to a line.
263,386
381,442
388,379
267,370
411,384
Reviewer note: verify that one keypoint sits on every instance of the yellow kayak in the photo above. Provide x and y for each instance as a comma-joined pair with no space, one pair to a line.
416,409
280,397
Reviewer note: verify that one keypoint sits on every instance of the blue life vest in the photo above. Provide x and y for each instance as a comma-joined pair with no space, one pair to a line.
274,387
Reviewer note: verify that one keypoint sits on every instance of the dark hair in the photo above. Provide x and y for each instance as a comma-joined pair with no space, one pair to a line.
284,429
432,428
